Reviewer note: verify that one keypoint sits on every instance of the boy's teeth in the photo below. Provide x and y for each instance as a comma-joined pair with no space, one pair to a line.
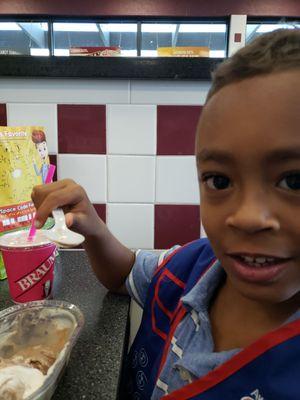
248,259
258,260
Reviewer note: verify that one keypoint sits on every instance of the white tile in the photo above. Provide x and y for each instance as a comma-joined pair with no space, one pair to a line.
131,129
89,171
131,179
176,180
132,224
74,91
169,92
36,114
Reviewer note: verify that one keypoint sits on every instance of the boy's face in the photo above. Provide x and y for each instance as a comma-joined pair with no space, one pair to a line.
248,158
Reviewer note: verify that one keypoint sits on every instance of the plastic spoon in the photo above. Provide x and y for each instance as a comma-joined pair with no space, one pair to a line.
60,233
48,179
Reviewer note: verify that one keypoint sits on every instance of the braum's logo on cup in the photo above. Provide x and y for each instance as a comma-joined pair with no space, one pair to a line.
35,276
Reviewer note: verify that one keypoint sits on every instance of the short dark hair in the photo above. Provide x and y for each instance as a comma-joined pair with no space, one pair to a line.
271,52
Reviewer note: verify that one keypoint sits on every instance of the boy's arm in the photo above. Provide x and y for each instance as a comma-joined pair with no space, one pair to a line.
140,277
110,260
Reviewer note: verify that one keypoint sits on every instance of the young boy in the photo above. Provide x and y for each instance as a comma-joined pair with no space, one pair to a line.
221,315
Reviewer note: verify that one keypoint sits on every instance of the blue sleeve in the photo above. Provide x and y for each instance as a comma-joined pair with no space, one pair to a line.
139,279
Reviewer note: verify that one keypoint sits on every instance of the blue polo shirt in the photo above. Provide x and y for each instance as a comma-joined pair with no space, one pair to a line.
191,354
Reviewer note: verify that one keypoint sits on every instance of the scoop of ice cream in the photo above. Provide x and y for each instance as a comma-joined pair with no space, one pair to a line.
18,382
34,339
11,387
35,356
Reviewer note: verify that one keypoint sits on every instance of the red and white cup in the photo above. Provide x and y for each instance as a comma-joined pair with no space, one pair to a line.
29,265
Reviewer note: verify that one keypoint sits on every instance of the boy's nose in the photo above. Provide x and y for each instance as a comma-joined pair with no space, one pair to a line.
253,215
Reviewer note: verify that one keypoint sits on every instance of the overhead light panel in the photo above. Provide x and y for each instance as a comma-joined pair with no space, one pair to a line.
61,52
39,52
9,26
202,28
119,27
75,27
159,28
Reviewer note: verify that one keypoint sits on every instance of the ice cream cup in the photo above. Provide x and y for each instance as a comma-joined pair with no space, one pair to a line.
29,265
54,328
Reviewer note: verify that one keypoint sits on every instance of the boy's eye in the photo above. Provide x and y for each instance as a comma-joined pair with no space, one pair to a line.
291,181
216,182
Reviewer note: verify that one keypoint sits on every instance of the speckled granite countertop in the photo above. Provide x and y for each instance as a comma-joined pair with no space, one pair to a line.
95,364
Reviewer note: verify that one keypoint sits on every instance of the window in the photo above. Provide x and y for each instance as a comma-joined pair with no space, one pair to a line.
26,38
92,34
256,29
124,38
181,35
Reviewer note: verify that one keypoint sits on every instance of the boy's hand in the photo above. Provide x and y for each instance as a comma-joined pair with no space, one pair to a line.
110,260
67,194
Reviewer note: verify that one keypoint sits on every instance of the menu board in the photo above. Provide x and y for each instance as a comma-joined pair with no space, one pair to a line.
189,51
112,51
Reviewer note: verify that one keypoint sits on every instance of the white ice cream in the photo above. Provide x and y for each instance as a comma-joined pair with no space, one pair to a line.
20,239
18,382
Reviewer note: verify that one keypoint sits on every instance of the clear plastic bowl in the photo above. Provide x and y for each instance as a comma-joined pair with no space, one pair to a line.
37,310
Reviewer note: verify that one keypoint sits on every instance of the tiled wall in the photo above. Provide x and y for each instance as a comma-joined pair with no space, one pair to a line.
130,144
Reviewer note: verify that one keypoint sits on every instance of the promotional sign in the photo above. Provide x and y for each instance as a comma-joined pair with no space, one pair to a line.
24,163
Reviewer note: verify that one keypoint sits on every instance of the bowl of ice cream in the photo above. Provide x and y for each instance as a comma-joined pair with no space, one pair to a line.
36,340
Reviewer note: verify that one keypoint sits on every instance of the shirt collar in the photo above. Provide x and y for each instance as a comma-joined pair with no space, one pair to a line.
199,297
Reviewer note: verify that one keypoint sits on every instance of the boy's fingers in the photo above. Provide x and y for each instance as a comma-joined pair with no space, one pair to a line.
55,199
39,192
69,219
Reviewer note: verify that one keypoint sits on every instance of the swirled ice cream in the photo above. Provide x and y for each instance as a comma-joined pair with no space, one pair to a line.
19,381
30,344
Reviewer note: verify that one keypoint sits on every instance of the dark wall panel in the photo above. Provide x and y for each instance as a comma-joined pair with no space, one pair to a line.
180,8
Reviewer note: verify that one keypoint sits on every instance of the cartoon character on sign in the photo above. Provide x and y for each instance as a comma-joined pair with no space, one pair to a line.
39,139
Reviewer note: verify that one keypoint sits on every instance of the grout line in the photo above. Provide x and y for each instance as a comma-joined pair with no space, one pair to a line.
150,204
108,110
106,208
130,155
155,194
7,113
129,88
126,155
56,124
124,203
106,197
155,176
71,249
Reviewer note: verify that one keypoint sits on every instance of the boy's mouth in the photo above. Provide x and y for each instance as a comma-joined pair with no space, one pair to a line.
258,268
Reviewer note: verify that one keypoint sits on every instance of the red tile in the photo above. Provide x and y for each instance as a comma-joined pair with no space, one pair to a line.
101,211
3,118
53,161
81,129
175,224
237,37
176,129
